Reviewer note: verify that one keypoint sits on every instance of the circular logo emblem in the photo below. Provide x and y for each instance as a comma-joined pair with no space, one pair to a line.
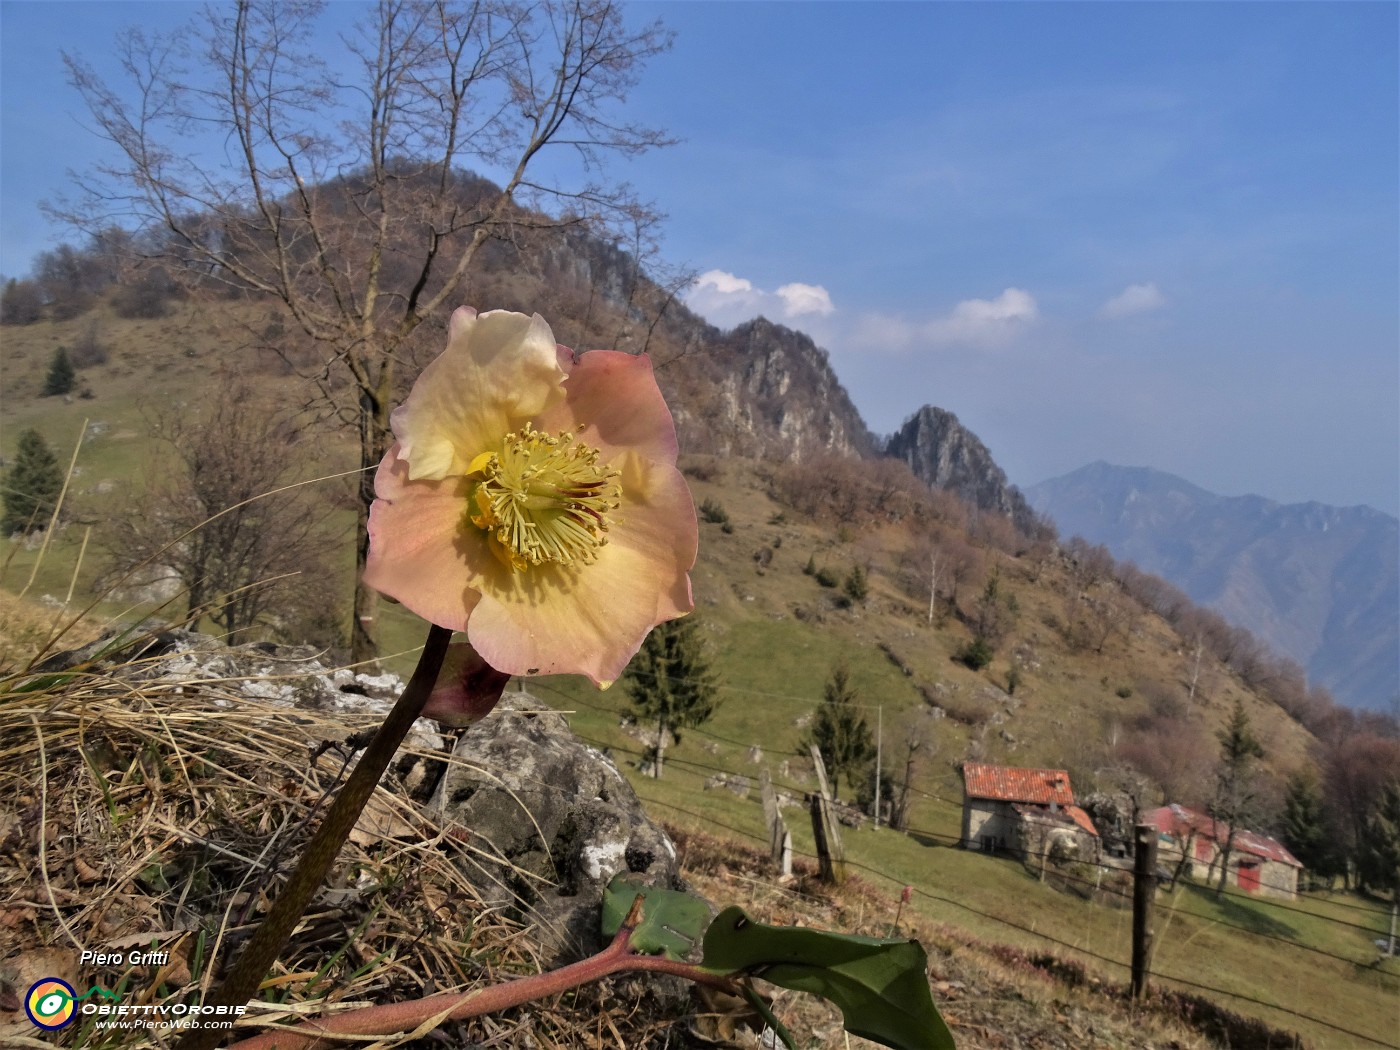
49,1003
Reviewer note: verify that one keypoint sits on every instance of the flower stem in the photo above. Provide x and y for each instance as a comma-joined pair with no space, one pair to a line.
267,942
456,1006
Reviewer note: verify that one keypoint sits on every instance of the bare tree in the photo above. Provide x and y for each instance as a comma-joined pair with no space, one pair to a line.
1176,756
933,566
206,519
1356,768
919,744
345,196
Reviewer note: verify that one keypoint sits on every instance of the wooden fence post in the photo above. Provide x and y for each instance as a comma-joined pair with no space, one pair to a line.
779,837
831,855
1144,885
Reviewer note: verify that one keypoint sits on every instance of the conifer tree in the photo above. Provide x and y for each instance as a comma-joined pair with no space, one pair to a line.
839,729
1304,825
671,684
1235,789
32,485
856,586
1378,860
61,375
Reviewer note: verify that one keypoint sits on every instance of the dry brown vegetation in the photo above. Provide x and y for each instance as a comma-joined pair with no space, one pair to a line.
163,818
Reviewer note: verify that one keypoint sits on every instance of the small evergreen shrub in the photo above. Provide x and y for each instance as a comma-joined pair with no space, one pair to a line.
1013,679
976,654
61,377
827,578
713,512
32,485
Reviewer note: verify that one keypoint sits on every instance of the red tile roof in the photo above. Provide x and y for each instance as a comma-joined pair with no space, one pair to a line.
1179,821
1082,819
1008,784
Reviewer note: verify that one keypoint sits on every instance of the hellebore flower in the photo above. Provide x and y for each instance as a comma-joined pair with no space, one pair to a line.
531,499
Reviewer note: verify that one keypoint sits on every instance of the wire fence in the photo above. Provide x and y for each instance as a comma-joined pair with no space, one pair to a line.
706,769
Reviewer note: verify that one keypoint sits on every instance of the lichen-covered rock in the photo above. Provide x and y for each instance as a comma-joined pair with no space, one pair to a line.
551,821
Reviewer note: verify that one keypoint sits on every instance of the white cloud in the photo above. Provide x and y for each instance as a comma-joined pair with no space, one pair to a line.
726,300
1134,299
984,320
972,322
801,299
723,283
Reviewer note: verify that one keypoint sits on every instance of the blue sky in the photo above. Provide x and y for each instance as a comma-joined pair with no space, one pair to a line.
1155,234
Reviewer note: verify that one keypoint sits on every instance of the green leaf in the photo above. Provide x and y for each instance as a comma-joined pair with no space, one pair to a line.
672,922
880,986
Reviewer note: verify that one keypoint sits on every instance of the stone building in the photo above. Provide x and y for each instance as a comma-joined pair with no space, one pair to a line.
1025,811
1196,842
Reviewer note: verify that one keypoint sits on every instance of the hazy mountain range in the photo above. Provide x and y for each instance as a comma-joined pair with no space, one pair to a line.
1318,583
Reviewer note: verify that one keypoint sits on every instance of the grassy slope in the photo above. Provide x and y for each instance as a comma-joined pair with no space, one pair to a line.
774,665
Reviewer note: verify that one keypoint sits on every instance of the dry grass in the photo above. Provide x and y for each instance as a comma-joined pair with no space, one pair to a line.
990,997
147,816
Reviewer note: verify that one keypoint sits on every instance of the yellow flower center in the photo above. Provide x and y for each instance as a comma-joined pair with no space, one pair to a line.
544,499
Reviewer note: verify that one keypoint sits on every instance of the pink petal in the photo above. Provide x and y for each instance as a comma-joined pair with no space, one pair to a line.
615,396
419,552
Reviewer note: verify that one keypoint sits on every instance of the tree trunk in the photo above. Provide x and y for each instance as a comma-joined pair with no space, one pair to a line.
1188,849
1195,674
659,756
932,585
196,609
1225,860
374,442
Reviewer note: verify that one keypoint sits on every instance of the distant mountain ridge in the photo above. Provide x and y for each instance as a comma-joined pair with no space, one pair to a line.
1318,583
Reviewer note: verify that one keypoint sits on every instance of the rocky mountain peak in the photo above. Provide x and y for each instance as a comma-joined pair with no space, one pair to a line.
774,395
946,455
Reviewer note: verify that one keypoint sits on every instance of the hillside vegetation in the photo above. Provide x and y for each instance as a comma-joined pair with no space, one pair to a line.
1027,651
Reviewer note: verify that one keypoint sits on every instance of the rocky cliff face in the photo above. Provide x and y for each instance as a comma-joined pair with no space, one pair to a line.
764,391
760,390
946,455
1318,583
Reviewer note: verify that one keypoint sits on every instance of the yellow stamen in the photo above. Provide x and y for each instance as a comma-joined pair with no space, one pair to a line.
544,499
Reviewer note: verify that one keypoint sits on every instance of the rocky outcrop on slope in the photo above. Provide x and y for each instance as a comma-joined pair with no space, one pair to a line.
946,455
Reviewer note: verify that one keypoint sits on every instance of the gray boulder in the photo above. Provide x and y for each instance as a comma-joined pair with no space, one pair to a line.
551,822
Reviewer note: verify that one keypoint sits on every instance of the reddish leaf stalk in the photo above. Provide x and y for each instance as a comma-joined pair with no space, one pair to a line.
389,1018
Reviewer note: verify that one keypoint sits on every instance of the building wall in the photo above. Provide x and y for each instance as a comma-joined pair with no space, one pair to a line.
1037,835
1275,879
988,825
1278,880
